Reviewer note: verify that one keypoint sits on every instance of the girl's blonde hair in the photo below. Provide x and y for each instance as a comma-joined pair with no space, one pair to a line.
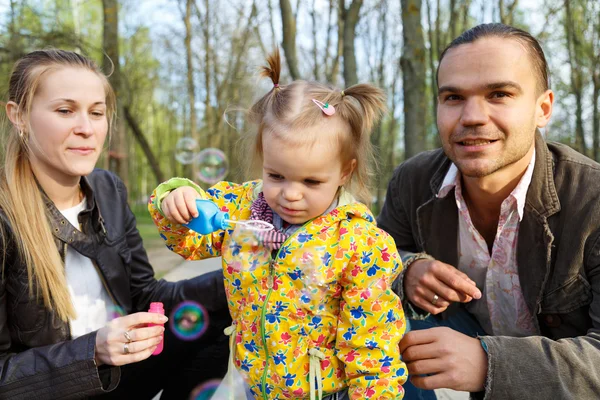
287,109
21,199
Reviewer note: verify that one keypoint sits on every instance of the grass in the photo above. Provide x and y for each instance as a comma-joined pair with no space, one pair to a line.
148,230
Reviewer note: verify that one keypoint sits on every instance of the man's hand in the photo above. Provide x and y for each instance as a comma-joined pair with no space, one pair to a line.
432,285
456,361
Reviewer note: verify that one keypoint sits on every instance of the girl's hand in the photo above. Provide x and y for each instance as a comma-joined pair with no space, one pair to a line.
180,205
127,340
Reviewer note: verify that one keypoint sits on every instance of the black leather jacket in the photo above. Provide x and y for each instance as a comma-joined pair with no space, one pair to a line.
38,358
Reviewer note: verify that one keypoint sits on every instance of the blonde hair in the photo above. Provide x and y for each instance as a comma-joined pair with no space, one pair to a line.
286,109
21,199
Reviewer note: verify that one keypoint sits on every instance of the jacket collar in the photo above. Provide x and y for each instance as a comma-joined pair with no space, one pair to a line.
541,196
90,217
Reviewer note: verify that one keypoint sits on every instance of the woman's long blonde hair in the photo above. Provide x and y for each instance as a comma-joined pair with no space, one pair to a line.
287,109
21,199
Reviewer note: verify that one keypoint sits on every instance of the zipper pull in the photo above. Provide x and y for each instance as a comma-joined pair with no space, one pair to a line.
271,271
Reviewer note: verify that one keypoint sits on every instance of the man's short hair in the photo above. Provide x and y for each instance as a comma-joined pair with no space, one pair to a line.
531,44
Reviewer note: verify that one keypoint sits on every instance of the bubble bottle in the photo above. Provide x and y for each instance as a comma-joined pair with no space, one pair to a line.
209,218
157,307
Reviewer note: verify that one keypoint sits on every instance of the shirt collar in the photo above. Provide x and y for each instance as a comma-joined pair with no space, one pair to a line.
519,193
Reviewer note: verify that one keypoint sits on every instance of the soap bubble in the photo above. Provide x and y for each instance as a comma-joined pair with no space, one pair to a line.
189,320
115,312
205,391
185,150
246,248
212,165
314,281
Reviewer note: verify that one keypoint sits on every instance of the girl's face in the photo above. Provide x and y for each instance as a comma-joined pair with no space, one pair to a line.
68,124
301,182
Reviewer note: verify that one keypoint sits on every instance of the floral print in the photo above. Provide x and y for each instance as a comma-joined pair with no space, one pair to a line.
352,317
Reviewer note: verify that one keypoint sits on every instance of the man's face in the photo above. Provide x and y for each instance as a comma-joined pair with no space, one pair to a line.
488,106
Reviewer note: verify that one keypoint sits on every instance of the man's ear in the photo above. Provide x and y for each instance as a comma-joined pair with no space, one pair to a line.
544,108
347,172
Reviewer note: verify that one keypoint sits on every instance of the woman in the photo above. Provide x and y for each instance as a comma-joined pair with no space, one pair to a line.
71,253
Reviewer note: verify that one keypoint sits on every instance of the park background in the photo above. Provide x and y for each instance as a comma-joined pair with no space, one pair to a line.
188,69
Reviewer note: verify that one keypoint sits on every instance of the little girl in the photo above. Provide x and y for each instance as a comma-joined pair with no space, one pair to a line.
312,142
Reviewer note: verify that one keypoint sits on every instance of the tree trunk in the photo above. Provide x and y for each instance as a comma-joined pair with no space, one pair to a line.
576,78
117,154
596,116
208,111
413,76
433,52
191,87
507,14
141,138
351,16
335,66
315,50
288,25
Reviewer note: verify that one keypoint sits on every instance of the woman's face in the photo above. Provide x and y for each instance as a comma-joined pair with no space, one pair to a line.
68,124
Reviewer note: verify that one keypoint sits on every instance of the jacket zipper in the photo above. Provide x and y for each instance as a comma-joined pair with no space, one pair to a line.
272,264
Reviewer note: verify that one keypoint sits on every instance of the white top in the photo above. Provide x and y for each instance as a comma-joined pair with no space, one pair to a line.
502,309
90,298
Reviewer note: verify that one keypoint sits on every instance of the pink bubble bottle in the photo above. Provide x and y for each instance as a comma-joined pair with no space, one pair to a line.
157,307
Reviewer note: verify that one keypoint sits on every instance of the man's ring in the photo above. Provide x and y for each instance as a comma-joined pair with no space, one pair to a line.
127,337
435,299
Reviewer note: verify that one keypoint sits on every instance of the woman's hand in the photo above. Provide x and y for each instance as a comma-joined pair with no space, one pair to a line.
180,205
127,340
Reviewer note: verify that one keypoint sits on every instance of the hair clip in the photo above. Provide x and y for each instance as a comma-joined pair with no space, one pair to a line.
326,107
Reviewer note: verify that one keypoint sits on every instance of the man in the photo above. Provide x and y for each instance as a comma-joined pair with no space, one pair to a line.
499,232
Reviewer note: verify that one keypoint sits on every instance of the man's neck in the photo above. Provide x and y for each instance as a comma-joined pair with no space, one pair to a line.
484,196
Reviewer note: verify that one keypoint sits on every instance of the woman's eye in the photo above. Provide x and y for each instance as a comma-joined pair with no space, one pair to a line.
63,111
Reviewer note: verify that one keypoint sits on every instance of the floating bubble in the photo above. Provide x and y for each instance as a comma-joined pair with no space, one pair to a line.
314,282
246,249
188,321
115,312
206,390
212,165
186,150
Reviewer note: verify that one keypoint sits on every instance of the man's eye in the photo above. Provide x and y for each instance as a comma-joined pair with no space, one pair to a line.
499,95
452,97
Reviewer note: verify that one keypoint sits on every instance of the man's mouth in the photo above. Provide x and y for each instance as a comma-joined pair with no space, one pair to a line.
476,142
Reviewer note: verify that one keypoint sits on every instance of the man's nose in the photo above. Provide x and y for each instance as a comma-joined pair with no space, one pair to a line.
475,112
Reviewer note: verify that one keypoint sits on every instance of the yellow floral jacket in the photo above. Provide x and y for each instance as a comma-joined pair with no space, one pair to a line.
352,321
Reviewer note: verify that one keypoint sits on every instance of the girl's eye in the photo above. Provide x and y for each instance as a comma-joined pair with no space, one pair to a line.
311,182
275,177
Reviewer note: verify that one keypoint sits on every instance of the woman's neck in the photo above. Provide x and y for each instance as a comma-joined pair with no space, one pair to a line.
64,193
